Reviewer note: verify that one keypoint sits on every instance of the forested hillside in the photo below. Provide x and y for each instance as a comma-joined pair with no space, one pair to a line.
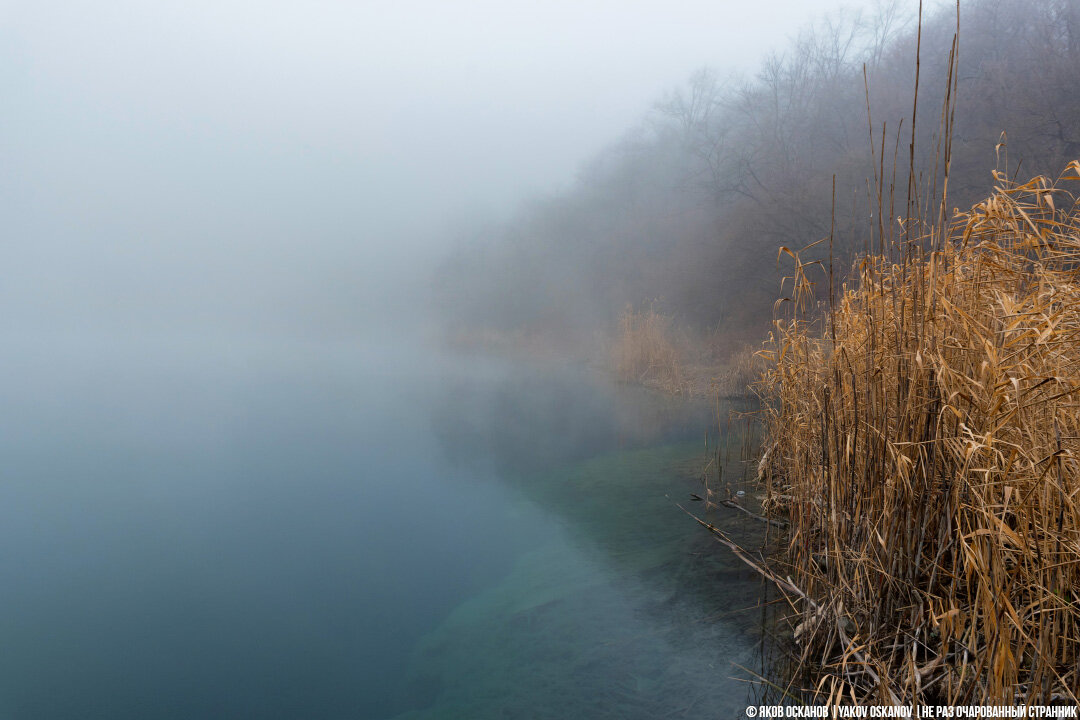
688,210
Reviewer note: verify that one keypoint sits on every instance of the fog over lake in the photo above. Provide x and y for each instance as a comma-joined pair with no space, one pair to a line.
238,477
274,167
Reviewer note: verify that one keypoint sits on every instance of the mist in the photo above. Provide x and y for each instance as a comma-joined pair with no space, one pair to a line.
238,477
679,224
261,168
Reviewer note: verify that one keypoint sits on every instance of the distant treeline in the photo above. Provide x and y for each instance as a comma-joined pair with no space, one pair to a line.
689,210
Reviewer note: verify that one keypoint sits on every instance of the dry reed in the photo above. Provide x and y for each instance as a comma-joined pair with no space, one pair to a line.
646,351
922,440
735,377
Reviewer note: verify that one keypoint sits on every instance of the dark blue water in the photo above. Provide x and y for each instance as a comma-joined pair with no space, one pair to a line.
208,527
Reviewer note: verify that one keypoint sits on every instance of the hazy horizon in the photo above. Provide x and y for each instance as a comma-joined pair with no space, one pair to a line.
274,168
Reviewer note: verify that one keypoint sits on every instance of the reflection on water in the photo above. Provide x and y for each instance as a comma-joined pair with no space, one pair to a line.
520,420
624,608
210,528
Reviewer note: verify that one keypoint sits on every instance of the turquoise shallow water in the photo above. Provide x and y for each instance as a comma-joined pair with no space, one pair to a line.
607,615
206,527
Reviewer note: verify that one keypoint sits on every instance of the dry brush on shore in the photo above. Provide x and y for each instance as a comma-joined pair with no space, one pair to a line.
652,349
646,351
923,441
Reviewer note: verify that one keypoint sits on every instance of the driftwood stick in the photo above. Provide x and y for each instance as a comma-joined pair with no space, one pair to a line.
760,518
736,506
744,556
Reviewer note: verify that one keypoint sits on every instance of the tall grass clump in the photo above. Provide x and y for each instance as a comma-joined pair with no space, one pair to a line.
646,350
922,438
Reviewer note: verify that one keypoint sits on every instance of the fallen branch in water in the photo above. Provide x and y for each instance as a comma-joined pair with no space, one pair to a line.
743,555
760,518
736,506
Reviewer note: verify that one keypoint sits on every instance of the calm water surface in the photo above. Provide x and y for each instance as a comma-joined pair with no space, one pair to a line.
205,527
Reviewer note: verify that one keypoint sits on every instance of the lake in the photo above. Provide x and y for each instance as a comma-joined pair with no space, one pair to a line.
214,527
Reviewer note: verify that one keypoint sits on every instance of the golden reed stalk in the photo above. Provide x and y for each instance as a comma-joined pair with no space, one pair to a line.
923,441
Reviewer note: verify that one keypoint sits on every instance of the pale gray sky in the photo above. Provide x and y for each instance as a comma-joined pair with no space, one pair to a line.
261,161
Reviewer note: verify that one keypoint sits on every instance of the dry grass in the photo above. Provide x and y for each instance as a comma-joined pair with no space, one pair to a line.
922,439
647,351
735,376
653,350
